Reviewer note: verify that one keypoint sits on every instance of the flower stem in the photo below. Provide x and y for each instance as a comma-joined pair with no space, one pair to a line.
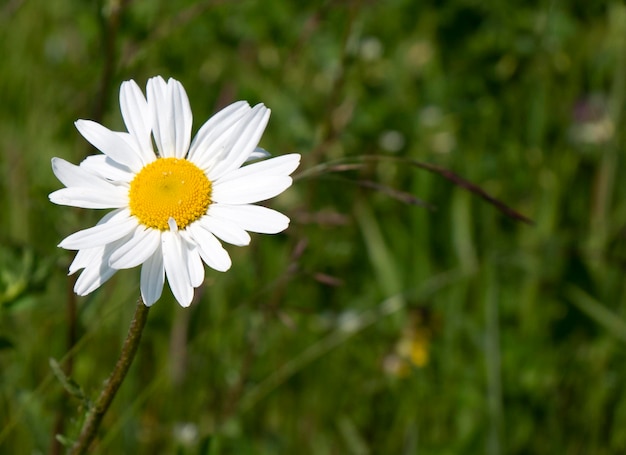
96,413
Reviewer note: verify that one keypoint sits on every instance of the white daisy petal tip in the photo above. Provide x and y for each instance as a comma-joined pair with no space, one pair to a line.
171,222
258,154
186,303
152,277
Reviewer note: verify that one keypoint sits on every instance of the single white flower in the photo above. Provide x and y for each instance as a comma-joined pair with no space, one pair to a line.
171,207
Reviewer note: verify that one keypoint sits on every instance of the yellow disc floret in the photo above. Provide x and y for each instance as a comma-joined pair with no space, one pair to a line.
169,188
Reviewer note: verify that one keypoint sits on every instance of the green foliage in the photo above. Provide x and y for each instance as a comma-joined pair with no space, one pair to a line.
374,324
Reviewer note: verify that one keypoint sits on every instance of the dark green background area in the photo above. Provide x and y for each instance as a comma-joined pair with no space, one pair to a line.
292,350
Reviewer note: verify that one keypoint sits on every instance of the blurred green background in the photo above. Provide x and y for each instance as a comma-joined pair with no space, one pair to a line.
399,313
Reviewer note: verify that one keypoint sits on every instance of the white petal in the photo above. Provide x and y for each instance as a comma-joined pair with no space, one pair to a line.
225,230
194,264
171,116
249,190
175,263
101,234
211,250
183,118
92,278
74,176
114,215
105,167
212,136
137,249
243,141
85,257
279,166
97,272
156,91
253,218
152,277
171,222
88,198
137,118
258,154
111,143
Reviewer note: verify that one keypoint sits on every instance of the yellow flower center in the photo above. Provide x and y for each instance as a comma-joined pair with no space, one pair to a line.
169,188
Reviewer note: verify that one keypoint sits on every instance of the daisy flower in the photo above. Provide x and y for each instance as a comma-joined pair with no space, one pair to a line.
173,206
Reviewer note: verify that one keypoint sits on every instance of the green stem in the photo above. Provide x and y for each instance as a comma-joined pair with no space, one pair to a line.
96,413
